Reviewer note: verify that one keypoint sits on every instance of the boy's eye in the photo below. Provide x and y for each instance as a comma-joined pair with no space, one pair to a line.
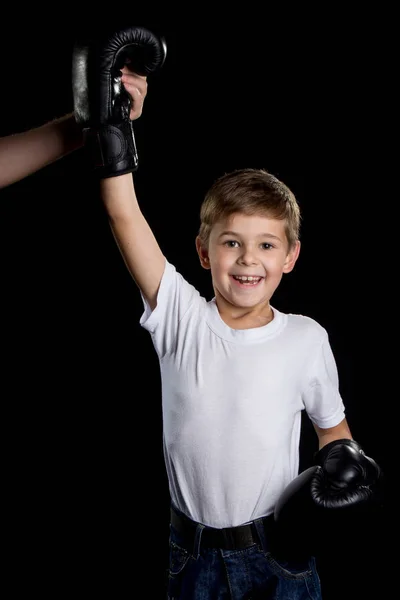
230,244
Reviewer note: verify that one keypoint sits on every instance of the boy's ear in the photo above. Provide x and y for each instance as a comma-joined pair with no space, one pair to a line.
292,257
203,254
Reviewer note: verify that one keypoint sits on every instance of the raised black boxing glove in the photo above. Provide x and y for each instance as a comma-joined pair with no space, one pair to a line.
101,103
324,499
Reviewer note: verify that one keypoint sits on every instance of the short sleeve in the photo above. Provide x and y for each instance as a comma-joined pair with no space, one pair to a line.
322,399
174,298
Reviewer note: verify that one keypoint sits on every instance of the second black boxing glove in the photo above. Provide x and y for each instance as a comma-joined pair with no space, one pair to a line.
347,476
323,501
101,103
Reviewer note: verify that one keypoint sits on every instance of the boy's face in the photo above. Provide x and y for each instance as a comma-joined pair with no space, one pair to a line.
243,245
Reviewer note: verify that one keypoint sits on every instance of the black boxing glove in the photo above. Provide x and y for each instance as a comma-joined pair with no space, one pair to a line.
101,103
325,498
346,478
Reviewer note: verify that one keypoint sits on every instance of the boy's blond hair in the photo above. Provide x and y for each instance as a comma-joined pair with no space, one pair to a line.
250,192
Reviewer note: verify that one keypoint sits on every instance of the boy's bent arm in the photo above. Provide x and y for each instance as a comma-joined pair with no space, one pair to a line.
24,153
133,235
340,431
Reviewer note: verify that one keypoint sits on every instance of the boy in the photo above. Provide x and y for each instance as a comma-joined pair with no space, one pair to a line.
236,374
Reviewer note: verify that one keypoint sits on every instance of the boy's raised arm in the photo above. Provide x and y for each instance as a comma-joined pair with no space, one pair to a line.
109,81
134,237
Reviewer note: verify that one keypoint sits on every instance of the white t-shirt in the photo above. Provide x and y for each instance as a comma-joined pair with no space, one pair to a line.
232,402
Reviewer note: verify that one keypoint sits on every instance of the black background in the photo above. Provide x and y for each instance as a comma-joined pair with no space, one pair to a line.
306,97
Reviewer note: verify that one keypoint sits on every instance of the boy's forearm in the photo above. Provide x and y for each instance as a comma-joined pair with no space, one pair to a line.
325,436
29,151
118,195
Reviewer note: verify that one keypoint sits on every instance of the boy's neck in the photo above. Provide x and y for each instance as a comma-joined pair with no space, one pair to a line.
244,318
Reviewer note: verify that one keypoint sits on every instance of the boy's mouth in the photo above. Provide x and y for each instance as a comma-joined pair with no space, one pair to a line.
246,281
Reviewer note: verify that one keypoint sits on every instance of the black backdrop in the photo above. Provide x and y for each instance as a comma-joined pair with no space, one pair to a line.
84,480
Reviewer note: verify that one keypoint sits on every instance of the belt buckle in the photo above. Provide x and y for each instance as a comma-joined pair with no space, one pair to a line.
239,537
229,538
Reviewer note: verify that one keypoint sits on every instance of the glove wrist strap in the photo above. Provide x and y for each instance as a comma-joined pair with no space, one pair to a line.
112,148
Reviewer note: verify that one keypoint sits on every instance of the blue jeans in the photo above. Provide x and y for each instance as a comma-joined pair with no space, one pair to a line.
253,573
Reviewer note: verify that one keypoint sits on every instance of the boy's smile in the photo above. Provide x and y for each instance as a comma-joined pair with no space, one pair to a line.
247,256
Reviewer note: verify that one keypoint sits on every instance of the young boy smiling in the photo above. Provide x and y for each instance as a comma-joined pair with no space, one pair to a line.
236,374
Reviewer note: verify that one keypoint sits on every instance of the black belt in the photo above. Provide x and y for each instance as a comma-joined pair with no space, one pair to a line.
229,538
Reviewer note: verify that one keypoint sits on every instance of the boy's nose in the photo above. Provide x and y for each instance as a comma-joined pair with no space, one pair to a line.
248,257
